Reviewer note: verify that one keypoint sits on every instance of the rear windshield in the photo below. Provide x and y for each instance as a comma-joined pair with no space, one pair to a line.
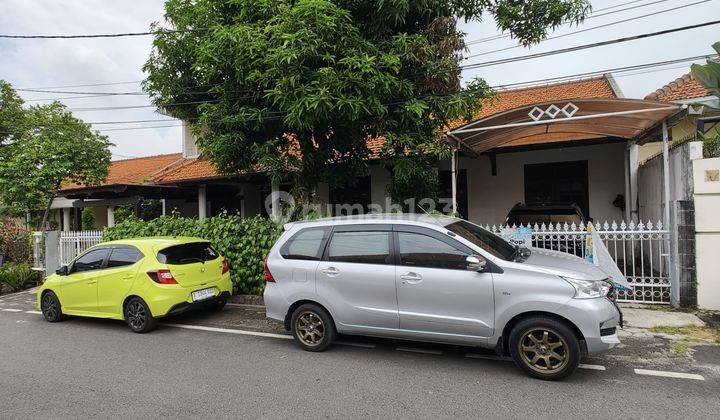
187,253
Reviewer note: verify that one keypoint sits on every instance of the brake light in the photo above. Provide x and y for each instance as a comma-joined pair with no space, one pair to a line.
225,266
162,277
268,275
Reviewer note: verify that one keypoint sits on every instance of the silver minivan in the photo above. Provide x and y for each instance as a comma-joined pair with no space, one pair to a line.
438,279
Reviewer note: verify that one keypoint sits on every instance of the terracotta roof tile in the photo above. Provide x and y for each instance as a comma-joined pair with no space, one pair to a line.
195,168
684,87
597,87
134,171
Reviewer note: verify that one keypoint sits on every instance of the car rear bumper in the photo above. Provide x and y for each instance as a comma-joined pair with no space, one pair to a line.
186,306
166,298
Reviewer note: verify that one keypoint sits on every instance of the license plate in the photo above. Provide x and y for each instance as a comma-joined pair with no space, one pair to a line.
203,294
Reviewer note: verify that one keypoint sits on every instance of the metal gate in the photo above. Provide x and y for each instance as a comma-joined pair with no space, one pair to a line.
74,243
640,251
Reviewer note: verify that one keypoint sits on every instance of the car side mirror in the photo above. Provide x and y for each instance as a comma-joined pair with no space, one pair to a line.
62,271
475,263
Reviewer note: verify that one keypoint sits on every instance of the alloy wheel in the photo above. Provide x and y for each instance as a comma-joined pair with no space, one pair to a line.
309,328
543,350
136,315
49,306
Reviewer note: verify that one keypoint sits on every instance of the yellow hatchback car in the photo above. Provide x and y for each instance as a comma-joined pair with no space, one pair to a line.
138,280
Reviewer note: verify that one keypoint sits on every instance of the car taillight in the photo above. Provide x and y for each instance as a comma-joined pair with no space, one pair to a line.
268,275
162,277
225,266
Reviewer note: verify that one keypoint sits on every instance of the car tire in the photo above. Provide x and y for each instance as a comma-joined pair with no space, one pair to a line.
50,307
545,348
138,316
313,327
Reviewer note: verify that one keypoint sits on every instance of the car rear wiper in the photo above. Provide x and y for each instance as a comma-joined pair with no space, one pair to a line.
200,260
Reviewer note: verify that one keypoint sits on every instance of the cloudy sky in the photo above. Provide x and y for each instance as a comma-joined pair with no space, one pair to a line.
52,63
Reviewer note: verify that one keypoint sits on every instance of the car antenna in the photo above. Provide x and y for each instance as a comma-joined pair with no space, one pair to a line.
432,216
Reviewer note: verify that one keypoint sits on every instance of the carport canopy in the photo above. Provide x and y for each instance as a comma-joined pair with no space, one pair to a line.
566,120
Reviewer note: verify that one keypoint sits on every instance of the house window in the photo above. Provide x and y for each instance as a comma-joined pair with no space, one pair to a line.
445,180
349,200
559,182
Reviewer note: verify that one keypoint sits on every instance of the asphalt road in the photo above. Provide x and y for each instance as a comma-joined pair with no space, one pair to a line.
94,368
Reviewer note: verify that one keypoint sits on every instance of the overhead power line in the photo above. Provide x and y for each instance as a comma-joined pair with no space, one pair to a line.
594,14
585,46
120,35
594,27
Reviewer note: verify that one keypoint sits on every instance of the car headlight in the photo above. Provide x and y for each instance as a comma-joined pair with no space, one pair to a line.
588,289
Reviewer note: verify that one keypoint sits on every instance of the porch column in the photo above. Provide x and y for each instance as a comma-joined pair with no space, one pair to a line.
453,179
275,200
111,216
164,207
66,219
202,202
666,176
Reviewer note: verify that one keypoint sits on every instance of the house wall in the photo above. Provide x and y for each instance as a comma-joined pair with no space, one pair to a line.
650,180
706,177
491,197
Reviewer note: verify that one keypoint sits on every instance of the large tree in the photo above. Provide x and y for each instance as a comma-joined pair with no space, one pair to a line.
303,84
51,148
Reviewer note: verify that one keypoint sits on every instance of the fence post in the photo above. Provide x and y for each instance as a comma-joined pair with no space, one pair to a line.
52,244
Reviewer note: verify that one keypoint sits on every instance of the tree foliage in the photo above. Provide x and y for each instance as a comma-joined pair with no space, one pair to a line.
302,84
51,148
709,74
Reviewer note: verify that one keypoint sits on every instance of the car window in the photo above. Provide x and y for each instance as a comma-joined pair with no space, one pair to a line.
360,247
486,240
420,250
305,245
120,257
92,260
187,253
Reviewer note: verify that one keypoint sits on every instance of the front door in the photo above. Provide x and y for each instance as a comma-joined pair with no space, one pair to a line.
437,294
78,292
357,277
117,279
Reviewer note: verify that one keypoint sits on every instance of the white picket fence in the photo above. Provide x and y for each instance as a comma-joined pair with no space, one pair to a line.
74,243
640,251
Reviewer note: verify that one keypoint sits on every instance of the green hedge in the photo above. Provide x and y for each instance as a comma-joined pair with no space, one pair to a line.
244,242
17,277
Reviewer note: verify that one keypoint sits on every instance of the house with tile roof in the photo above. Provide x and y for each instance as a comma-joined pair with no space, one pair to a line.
589,163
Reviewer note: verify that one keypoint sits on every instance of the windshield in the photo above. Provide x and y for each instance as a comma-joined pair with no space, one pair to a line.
486,240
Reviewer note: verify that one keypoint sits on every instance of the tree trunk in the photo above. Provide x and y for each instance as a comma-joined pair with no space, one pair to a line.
47,208
45,215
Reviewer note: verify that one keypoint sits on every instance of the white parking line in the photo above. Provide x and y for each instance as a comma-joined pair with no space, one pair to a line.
349,343
591,367
416,350
229,331
669,374
33,312
12,310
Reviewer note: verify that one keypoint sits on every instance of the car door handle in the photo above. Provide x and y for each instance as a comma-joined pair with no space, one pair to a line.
411,278
92,282
330,271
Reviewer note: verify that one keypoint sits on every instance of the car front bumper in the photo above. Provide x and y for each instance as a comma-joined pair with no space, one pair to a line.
591,316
